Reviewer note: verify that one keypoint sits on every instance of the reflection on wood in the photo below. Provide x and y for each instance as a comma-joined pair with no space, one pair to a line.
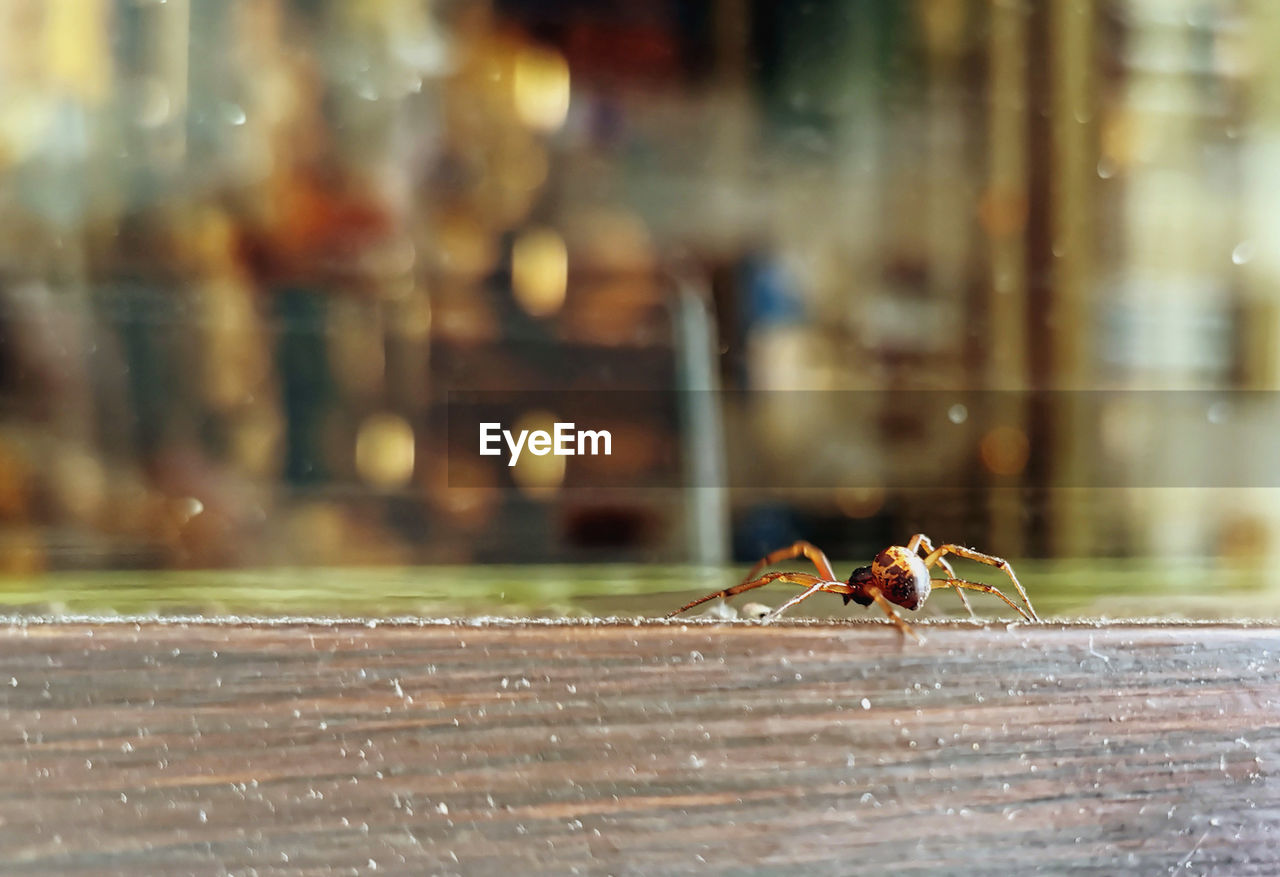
167,747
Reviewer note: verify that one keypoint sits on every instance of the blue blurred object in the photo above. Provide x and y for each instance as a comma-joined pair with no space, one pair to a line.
770,294
764,528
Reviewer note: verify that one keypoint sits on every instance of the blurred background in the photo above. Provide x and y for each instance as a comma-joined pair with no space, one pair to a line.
249,247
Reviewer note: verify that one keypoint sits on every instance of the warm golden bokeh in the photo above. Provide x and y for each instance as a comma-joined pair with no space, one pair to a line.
538,476
385,451
541,87
540,271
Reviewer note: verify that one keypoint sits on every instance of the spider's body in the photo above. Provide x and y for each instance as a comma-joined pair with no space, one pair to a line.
899,575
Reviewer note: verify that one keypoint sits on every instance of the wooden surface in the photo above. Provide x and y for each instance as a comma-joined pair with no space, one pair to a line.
833,748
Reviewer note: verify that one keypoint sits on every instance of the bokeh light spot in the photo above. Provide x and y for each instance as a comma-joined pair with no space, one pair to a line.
541,88
540,271
538,476
385,450
1005,450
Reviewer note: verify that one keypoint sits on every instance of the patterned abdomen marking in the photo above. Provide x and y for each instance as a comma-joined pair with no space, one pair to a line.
902,576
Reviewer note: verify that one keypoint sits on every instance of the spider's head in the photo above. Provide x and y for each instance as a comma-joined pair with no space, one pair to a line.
900,575
859,580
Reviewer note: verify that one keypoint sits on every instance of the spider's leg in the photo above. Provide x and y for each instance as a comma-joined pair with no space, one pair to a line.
920,543
797,549
777,613
998,562
807,580
893,614
979,586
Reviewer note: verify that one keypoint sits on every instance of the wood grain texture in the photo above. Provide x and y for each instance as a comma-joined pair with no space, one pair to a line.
824,748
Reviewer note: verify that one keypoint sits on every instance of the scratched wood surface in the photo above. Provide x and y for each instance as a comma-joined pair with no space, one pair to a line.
824,748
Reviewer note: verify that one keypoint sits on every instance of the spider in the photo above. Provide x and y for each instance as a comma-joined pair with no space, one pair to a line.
899,574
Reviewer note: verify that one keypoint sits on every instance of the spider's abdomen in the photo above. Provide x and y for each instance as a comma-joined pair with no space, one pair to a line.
902,576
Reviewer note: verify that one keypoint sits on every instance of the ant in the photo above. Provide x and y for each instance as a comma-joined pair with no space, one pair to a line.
899,574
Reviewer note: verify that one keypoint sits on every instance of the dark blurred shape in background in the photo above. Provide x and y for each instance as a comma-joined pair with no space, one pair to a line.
248,247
